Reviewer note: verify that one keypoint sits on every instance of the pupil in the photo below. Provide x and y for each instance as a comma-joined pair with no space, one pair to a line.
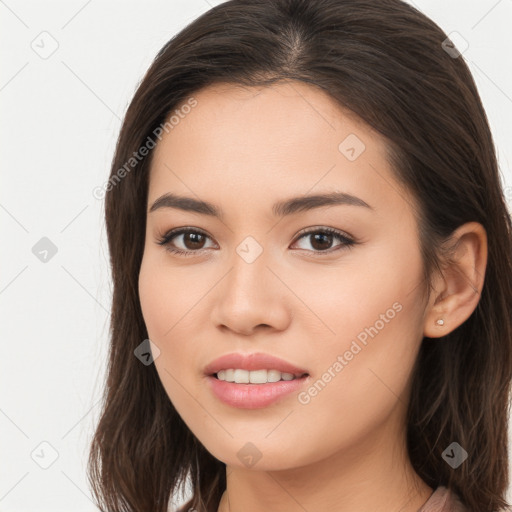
321,237
195,238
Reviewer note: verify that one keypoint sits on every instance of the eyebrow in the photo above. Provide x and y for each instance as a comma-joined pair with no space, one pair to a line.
279,209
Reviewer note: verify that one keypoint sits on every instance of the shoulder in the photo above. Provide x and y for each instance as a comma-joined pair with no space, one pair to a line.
443,500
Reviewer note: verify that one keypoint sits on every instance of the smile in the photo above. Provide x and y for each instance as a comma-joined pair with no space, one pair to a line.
253,381
251,395
254,376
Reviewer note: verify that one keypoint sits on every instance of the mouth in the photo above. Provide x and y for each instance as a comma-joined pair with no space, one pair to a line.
253,381
238,388
263,376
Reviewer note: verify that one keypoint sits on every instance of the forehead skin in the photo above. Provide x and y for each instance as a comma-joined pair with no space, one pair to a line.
250,145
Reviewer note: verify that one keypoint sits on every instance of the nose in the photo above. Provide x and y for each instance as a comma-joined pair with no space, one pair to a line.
251,297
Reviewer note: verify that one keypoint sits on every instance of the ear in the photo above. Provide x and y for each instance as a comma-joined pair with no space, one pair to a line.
457,291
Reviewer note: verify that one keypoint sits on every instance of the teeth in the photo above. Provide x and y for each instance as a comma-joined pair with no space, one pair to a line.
254,376
242,376
273,375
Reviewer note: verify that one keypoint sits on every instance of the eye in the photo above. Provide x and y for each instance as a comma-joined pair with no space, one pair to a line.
321,240
192,238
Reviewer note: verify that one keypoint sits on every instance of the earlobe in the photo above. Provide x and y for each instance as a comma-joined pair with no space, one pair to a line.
459,289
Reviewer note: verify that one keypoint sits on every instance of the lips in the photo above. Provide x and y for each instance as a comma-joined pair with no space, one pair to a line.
251,395
255,361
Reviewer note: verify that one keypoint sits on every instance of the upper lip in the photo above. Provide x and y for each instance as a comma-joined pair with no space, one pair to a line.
257,361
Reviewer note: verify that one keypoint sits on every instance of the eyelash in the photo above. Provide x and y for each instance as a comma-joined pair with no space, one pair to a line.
347,242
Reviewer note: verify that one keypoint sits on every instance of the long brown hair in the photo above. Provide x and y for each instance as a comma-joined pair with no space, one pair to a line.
394,68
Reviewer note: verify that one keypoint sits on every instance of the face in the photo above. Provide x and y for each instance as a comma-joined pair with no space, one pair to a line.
333,289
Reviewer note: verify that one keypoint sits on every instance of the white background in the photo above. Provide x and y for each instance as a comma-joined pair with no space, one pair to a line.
60,119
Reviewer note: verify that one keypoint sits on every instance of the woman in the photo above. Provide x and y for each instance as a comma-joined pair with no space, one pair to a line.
311,260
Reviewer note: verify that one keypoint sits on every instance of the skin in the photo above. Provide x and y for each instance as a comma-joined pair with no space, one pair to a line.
243,150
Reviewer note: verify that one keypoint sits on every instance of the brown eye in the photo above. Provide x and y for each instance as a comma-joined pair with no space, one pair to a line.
192,241
321,240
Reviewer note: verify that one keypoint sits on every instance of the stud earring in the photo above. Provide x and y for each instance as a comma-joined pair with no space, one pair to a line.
440,322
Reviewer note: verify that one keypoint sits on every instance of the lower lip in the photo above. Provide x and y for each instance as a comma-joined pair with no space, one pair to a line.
253,396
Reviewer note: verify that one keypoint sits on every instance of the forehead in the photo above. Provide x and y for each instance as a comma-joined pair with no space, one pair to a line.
292,110
246,143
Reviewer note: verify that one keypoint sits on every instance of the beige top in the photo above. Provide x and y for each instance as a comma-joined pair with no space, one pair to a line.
443,500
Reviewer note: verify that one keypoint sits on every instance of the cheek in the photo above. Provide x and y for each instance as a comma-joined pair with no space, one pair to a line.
167,307
374,295
359,385
162,296
365,367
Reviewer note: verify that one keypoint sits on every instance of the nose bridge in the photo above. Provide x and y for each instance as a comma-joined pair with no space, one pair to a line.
248,279
250,295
